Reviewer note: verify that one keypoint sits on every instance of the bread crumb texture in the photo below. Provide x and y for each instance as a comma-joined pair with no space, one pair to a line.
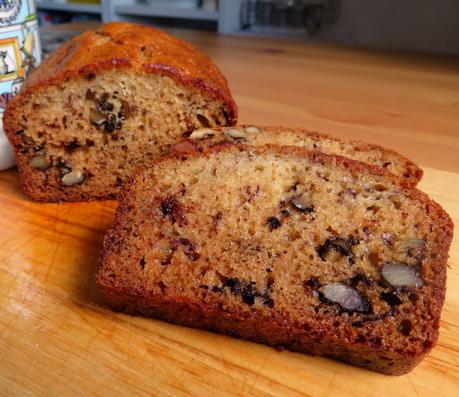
316,253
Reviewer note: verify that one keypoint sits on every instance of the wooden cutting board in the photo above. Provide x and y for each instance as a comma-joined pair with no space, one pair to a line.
57,337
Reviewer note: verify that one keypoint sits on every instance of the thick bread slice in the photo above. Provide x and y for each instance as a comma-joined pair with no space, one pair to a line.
316,253
106,101
355,150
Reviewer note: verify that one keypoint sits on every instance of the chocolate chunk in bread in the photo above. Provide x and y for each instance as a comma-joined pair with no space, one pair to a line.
107,101
337,279
258,136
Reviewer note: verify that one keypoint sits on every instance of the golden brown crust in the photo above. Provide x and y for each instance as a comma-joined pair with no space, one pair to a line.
272,330
120,45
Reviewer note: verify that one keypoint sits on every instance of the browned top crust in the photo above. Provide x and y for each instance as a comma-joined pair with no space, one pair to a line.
131,46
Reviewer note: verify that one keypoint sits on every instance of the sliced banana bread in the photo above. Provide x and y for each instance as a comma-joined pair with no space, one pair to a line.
106,101
280,245
365,152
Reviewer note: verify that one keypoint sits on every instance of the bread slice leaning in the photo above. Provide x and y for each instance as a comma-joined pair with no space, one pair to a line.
105,102
316,253
361,151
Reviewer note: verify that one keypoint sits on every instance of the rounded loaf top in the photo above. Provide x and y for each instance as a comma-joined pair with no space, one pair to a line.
127,45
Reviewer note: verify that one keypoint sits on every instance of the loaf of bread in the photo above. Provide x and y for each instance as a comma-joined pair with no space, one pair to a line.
364,152
280,245
106,101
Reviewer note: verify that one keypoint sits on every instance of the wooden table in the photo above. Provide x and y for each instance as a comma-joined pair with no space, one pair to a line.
58,338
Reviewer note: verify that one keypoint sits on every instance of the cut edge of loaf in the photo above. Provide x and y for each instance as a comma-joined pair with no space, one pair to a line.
378,155
61,134
193,314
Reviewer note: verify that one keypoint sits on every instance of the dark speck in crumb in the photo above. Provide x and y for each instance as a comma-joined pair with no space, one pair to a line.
167,205
90,76
142,262
405,327
359,278
244,290
189,249
387,238
216,220
162,286
313,283
72,145
268,302
90,96
274,223
383,283
285,213
118,181
390,298
171,207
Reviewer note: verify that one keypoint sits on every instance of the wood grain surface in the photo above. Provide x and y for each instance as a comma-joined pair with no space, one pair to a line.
58,338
